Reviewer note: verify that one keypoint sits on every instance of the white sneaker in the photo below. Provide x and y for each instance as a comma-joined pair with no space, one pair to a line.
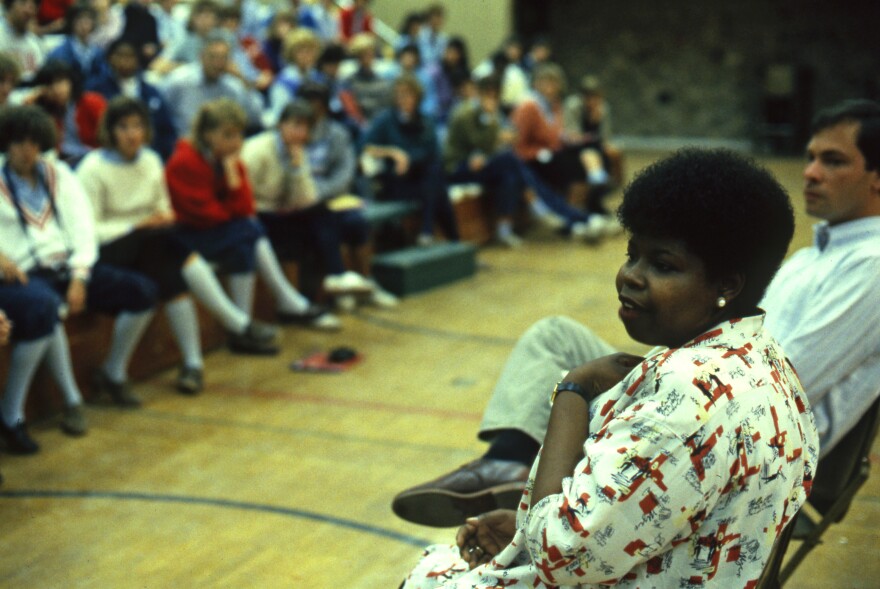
346,283
510,240
550,220
347,303
382,298
611,226
424,240
591,231
327,322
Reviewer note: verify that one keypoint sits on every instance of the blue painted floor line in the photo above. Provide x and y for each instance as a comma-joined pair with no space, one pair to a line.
223,503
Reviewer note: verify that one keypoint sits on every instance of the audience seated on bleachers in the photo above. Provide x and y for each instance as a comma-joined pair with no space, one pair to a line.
18,39
48,254
321,16
109,21
188,87
301,50
175,58
76,48
212,196
432,38
135,224
587,123
368,90
75,111
331,155
123,77
406,142
542,143
355,20
477,151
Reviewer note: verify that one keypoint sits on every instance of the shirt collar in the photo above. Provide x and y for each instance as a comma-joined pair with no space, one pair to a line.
826,237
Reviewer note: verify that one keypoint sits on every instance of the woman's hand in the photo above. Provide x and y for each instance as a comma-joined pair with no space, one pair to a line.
297,153
601,374
401,162
76,296
230,170
10,272
158,219
484,536
5,328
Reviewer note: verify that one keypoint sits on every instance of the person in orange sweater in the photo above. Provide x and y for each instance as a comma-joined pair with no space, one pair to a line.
214,204
557,159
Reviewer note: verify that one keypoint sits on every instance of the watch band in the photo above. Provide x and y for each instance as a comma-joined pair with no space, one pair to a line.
574,387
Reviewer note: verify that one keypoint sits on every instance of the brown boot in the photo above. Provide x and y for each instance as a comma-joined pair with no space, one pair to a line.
477,487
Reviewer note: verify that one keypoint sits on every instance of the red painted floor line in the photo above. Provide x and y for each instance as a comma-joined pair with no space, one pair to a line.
349,403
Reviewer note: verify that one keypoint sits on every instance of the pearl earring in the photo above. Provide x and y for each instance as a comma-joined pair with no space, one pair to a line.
721,302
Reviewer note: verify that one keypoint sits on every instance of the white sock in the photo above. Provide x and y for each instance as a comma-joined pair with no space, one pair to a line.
241,289
181,314
504,228
288,299
61,368
204,285
127,331
25,358
539,209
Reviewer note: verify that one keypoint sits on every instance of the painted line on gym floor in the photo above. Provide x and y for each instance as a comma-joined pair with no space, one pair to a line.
298,432
433,332
222,503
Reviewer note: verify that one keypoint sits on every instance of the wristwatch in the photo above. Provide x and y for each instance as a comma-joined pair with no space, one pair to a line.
574,387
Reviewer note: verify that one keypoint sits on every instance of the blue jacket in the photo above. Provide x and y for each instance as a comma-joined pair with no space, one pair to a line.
164,133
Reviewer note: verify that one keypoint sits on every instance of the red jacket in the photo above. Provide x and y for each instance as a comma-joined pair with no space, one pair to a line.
199,193
534,131
348,23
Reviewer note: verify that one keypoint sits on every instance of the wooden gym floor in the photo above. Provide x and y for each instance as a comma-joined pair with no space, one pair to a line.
278,479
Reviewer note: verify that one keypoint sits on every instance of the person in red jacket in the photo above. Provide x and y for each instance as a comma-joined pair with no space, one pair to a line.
214,204
77,113
355,19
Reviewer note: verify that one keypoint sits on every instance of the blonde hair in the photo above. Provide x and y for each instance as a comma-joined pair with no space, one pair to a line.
362,42
551,71
213,115
300,38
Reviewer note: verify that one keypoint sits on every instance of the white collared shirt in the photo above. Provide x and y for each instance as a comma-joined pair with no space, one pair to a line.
823,306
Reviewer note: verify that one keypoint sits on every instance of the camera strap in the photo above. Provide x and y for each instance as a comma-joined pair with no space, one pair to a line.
22,219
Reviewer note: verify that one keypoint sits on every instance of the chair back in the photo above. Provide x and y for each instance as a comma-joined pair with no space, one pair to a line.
847,463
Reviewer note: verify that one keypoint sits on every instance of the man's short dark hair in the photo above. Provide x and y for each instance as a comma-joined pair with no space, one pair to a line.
864,112
56,70
333,53
490,83
26,123
298,109
727,210
312,90
7,4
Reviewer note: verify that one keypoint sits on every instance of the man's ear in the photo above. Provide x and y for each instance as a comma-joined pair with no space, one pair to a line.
731,286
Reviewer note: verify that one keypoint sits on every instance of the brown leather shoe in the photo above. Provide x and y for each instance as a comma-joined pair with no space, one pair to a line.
472,489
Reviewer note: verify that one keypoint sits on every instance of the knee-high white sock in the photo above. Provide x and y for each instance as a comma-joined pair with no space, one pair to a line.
26,356
127,332
181,313
287,298
61,368
204,285
241,289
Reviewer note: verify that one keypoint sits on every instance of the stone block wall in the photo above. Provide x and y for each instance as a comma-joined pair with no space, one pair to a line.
700,68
